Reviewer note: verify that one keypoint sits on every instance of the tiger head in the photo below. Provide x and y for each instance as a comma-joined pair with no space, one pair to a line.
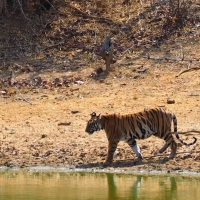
93,124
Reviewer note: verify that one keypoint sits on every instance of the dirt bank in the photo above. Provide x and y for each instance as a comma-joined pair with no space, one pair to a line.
33,134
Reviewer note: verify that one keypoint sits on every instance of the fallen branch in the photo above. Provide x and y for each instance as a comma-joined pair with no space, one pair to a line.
64,123
168,58
90,16
17,46
188,70
52,46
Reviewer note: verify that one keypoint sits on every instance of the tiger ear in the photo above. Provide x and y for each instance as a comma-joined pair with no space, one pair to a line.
99,117
93,114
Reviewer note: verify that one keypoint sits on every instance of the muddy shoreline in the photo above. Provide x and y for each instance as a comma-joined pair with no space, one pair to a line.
73,169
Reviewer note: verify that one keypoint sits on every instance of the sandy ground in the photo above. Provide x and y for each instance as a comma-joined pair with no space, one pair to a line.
51,130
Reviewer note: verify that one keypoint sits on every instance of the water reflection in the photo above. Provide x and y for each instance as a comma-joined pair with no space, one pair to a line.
163,187
112,189
52,185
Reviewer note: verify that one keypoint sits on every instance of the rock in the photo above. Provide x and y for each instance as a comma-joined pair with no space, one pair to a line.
170,101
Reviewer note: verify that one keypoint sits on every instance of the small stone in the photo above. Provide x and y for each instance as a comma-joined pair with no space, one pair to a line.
170,101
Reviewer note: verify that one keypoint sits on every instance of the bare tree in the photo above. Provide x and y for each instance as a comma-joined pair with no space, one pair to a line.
3,7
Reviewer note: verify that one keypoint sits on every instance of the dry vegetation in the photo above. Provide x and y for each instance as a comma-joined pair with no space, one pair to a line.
51,79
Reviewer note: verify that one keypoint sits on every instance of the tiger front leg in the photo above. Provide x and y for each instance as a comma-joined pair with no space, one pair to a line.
111,150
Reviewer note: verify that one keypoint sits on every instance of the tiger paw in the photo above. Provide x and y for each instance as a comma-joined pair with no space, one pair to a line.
166,159
137,162
106,164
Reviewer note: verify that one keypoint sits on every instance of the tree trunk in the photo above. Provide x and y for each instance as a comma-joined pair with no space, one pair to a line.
107,52
3,7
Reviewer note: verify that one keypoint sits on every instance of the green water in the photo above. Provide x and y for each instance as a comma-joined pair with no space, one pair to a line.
25,185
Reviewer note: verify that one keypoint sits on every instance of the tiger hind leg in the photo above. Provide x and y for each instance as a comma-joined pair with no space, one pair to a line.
169,142
173,150
166,145
134,146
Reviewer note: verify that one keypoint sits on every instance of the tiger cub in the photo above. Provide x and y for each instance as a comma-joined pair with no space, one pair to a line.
140,125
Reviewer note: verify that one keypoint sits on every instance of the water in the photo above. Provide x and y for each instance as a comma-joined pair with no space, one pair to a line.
25,185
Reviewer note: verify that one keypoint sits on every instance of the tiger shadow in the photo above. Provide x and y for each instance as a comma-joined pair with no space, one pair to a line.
123,163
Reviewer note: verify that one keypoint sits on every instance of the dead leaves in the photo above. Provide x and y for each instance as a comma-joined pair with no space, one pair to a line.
8,92
37,82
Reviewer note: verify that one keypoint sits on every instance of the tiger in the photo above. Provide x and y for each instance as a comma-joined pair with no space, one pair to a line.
141,125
